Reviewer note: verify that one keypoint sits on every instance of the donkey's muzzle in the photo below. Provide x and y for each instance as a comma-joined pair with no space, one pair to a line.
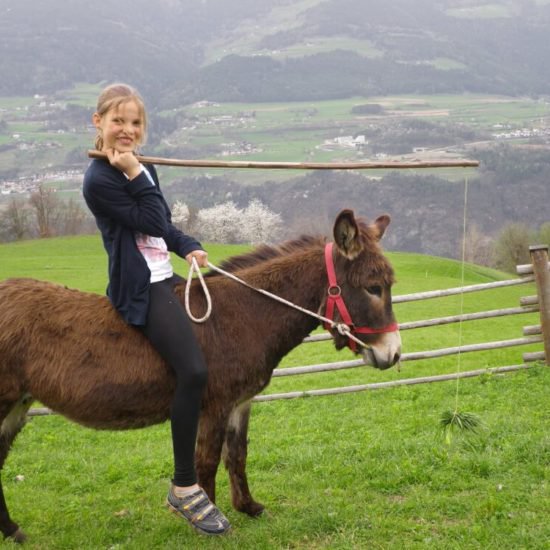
385,353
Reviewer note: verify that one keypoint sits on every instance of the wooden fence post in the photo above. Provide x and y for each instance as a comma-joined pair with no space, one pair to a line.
539,257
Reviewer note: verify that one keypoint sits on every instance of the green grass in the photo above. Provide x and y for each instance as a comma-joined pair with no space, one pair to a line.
318,45
365,470
83,94
283,18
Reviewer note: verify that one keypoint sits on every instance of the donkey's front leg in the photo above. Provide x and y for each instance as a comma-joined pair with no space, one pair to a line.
235,451
209,449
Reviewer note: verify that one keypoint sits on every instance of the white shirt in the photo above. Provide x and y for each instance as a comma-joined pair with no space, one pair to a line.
154,250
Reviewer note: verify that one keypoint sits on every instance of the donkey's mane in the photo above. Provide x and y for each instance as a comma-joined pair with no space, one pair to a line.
264,253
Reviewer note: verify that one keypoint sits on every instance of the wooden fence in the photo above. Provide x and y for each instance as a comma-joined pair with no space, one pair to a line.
537,272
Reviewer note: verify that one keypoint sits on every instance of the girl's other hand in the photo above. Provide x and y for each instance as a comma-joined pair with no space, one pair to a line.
126,162
200,255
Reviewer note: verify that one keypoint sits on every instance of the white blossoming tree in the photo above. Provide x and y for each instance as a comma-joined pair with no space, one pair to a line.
180,215
226,223
259,224
220,223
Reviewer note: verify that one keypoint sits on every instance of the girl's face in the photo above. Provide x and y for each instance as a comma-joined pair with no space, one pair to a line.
121,127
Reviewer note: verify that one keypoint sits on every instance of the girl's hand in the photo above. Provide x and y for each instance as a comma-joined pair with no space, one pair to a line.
126,162
200,255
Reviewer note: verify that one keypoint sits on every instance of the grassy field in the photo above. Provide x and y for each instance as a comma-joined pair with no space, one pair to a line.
364,470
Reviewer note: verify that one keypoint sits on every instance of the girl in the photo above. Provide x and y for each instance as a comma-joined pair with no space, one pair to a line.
135,224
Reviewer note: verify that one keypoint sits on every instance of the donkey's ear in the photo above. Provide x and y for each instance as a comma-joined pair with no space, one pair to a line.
381,223
346,234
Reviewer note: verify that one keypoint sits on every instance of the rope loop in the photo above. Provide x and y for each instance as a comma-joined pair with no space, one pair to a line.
194,267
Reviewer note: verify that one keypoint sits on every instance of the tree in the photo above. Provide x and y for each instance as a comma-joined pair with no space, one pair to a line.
72,217
544,234
75,156
225,223
185,217
47,210
180,215
14,221
512,247
220,223
259,224
477,248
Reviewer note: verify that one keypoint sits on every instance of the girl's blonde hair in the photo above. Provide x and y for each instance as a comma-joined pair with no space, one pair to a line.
112,97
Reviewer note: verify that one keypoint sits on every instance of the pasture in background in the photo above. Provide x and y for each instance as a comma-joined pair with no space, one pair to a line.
47,137
360,470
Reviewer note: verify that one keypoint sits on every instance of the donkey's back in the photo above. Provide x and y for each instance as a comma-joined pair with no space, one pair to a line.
72,351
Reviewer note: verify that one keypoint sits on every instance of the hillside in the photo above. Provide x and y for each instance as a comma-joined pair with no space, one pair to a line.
54,260
179,51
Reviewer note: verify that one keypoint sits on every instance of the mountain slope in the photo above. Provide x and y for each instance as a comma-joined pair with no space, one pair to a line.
256,50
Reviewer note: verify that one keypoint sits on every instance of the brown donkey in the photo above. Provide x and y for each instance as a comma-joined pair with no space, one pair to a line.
71,351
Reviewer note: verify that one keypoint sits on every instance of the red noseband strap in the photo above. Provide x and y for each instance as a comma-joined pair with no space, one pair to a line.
335,301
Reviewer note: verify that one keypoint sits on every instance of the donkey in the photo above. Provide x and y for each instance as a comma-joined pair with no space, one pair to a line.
71,351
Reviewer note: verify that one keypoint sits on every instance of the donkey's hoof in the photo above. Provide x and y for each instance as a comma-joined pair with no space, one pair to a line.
17,536
253,509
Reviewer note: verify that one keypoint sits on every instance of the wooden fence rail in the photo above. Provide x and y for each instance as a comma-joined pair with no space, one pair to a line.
448,320
460,290
538,272
414,356
389,384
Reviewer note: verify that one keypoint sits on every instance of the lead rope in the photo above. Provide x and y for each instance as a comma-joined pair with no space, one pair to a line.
342,328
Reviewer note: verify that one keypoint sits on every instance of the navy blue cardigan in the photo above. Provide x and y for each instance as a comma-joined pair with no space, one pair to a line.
122,207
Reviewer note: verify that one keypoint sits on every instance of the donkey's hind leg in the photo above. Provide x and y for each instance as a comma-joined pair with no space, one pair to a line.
209,449
235,451
12,419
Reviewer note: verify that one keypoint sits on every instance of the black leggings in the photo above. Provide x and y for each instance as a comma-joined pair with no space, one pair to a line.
169,329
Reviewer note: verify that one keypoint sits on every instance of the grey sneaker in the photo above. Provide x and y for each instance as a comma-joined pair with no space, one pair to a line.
197,509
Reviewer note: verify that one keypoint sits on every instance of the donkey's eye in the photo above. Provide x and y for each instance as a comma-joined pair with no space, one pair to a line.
375,289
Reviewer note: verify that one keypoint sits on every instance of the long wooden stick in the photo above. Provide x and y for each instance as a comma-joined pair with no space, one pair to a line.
297,165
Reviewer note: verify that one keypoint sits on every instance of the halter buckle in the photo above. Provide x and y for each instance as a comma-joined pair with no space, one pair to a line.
334,291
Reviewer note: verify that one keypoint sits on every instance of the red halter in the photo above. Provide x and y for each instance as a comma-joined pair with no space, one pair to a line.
335,300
